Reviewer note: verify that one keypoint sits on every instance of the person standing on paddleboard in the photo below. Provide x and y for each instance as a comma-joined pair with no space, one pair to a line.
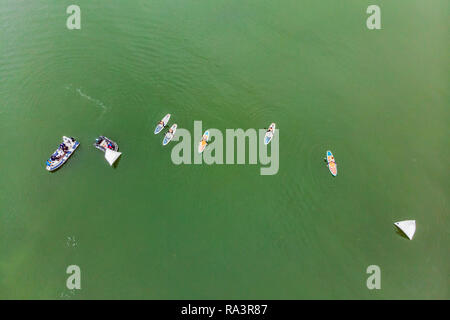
204,143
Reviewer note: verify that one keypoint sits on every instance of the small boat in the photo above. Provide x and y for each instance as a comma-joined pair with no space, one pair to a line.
408,227
170,134
64,151
103,143
269,134
162,123
331,163
202,145
109,147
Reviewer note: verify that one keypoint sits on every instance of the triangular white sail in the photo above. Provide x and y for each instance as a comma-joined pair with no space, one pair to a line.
408,227
111,156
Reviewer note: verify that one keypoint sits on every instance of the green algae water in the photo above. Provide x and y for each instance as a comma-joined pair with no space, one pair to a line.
150,229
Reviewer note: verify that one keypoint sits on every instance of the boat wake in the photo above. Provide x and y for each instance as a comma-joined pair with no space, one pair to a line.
97,102
104,108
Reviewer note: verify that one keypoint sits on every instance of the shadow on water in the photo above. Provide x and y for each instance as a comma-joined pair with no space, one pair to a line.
400,232
116,163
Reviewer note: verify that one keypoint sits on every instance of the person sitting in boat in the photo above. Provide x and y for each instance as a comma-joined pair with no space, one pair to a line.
161,123
56,157
170,131
63,147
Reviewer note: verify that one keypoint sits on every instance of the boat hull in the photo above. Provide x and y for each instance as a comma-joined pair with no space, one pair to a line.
100,144
55,165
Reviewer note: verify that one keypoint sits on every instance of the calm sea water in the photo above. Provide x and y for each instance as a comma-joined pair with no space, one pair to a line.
149,229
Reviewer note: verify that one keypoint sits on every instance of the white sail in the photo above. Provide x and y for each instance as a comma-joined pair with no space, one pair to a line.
408,227
111,156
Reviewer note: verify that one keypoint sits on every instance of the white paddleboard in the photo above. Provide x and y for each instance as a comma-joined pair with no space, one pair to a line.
408,227
269,134
202,145
169,135
160,126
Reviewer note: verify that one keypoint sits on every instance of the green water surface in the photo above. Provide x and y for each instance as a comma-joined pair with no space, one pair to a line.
150,229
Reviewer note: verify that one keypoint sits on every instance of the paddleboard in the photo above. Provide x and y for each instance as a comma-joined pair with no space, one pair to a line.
59,157
160,126
269,134
169,135
331,163
202,145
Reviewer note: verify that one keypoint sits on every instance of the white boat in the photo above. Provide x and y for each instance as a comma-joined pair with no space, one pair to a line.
408,227
103,143
60,156
111,156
